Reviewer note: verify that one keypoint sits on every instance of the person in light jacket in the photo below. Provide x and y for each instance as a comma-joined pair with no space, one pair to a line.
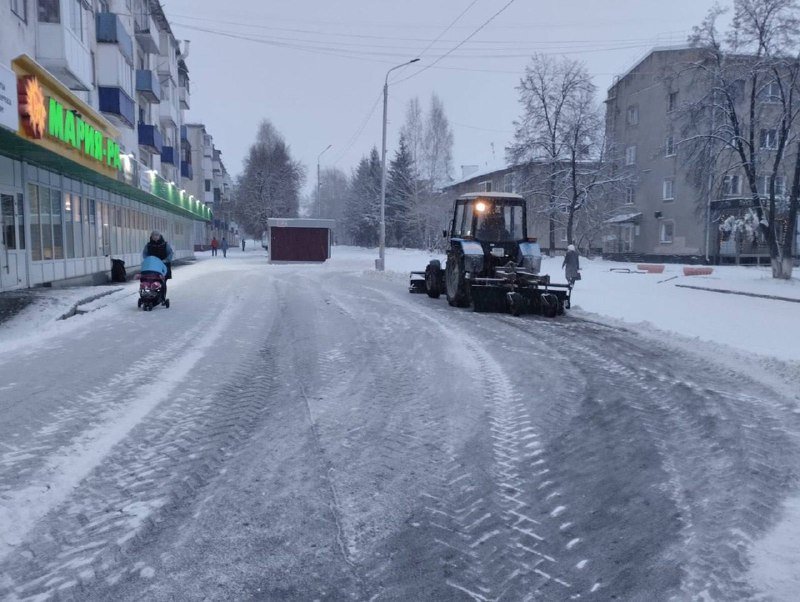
224,246
571,265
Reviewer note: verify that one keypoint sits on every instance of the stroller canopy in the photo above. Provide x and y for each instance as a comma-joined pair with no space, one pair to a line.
154,264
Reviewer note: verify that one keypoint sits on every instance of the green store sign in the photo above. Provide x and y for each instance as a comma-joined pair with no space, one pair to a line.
69,128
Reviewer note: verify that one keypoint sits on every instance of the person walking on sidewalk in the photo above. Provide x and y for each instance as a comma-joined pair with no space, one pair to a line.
242,245
571,265
224,246
214,245
158,247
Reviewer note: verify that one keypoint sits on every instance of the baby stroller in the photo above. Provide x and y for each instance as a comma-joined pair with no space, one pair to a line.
151,283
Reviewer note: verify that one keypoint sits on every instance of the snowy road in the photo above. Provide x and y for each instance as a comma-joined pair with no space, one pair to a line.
303,433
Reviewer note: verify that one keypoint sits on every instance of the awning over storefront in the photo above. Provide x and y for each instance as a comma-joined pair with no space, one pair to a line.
626,218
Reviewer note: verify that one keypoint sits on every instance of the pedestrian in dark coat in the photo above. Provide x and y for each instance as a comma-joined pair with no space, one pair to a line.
571,265
224,246
158,247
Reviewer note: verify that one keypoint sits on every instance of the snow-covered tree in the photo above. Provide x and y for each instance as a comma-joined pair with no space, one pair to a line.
400,192
362,213
561,126
743,118
270,183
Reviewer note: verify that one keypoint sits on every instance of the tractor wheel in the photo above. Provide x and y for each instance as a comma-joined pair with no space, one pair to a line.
433,279
549,305
138,302
456,282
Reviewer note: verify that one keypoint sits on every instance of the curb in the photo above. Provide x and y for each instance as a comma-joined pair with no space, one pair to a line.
727,292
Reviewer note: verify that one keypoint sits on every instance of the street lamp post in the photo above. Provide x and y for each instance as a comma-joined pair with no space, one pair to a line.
380,264
319,198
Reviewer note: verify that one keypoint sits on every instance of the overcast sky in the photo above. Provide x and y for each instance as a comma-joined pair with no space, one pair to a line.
315,68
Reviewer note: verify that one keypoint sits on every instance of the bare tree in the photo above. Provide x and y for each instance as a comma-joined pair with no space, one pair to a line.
743,118
561,127
438,146
270,184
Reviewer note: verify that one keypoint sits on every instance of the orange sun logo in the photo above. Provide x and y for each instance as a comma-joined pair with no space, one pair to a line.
32,106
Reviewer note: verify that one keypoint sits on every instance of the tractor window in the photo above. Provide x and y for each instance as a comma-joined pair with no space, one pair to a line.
458,222
499,223
514,222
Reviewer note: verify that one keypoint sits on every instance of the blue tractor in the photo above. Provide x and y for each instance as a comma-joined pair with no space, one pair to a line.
491,263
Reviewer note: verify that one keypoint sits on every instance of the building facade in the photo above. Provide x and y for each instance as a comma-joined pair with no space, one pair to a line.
677,201
92,155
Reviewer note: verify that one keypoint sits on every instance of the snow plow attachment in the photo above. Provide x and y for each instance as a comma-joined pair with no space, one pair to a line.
519,293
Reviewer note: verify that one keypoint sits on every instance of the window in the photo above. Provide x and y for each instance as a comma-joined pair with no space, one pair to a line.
208,185
630,155
104,7
485,186
668,189
780,186
49,11
76,18
508,182
770,92
633,115
672,101
20,8
630,195
731,185
667,231
769,139
669,146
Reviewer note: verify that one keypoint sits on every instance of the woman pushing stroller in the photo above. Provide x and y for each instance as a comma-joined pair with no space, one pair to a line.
158,247
157,258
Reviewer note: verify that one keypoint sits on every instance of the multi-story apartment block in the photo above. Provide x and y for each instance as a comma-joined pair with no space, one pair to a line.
677,198
92,156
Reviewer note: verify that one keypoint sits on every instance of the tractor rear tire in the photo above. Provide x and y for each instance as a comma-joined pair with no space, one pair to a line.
456,283
433,278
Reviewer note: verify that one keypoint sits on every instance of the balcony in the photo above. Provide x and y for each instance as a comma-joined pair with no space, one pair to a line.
168,113
186,170
117,104
147,33
168,154
184,93
110,30
148,86
150,138
65,55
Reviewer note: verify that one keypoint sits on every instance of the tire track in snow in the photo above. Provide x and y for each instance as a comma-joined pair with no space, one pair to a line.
115,505
497,544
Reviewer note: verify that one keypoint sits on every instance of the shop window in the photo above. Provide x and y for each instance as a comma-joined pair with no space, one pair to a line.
77,225
69,226
7,219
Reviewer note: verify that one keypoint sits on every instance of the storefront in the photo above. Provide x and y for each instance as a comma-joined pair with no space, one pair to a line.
67,200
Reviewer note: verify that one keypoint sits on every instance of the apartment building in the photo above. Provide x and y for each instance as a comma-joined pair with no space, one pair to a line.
92,156
676,199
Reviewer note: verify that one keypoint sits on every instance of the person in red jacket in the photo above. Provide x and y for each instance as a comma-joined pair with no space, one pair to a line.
214,246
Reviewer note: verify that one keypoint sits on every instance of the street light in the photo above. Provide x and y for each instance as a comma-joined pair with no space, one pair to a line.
319,198
379,265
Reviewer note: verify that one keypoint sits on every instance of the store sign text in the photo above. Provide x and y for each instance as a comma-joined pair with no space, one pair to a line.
68,127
